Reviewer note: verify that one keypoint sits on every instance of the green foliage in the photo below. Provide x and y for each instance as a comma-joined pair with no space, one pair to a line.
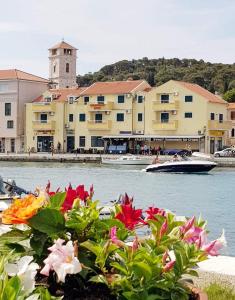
214,77
57,200
216,291
230,95
49,221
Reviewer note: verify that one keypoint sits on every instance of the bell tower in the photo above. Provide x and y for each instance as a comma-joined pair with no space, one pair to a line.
62,66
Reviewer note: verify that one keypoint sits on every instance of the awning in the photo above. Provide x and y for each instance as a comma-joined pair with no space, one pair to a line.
166,137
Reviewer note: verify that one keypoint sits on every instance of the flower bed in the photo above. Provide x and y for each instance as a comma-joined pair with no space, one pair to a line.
56,245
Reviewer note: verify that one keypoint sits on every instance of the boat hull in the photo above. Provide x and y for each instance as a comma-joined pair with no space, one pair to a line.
182,167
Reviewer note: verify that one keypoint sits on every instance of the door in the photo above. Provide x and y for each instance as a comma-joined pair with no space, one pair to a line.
12,145
44,143
70,143
212,146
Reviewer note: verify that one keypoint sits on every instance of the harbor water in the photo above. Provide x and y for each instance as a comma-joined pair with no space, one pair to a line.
211,195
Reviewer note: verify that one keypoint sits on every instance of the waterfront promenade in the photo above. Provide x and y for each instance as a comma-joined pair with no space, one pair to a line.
89,158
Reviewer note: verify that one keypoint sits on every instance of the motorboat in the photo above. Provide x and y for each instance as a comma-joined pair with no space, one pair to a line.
128,160
182,166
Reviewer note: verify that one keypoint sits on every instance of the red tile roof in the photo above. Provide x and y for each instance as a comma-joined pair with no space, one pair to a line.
231,106
62,45
116,87
17,74
202,92
62,94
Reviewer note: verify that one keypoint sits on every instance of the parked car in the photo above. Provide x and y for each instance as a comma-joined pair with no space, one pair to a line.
180,152
228,152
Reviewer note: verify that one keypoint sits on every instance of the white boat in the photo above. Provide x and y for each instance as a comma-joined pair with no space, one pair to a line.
182,166
5,201
128,160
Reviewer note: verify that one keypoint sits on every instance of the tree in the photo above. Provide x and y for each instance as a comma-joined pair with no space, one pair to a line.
230,95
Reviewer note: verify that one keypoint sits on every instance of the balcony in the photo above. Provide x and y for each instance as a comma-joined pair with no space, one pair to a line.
43,107
99,125
217,125
100,106
165,105
39,125
171,125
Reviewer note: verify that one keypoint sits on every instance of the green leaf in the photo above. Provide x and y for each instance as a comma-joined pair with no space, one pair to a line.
99,279
57,200
38,241
141,269
119,267
49,221
12,289
92,246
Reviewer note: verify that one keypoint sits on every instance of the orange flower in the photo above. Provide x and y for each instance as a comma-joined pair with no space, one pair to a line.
22,209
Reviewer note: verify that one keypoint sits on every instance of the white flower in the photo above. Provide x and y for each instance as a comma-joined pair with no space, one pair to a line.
25,269
4,229
61,260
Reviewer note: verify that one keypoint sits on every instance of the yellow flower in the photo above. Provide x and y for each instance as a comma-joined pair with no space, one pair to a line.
23,209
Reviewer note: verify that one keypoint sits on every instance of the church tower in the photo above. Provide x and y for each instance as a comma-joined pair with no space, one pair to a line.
62,66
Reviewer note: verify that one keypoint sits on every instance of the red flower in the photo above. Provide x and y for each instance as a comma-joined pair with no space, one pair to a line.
129,216
169,266
126,200
163,229
47,189
152,211
78,193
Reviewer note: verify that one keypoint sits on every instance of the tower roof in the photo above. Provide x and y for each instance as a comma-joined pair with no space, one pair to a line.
62,45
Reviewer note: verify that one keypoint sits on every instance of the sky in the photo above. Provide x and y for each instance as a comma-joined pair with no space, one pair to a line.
107,31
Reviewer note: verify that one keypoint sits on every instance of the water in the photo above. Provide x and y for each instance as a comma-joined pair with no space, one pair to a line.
212,195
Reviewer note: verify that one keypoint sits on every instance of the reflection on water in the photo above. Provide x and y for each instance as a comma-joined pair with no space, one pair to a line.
211,195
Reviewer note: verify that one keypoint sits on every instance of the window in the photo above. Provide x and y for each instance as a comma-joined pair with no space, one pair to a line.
140,117
82,117
82,141
67,51
98,118
70,117
54,51
100,99
164,117
188,98
188,115
165,98
54,68
67,68
71,100
7,109
121,99
232,115
140,99
120,117
12,145
221,117
86,99
43,118
97,141
233,133
10,124
212,116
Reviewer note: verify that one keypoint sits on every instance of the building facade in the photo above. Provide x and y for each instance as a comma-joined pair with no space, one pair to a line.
130,114
231,132
67,119
16,89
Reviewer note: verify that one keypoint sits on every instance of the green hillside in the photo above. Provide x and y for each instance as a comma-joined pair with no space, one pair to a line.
215,77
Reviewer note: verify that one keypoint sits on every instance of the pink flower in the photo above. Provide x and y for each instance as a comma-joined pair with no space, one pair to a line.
113,237
163,229
188,225
62,260
164,257
135,244
168,266
211,248
192,235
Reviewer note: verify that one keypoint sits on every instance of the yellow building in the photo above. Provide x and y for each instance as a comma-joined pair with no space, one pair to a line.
186,116
231,117
72,118
127,113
